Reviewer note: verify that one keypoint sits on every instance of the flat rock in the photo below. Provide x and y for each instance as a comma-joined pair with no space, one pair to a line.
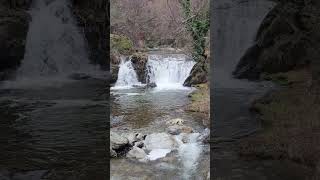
137,153
159,141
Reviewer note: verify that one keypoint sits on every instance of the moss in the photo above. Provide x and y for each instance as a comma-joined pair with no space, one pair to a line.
121,43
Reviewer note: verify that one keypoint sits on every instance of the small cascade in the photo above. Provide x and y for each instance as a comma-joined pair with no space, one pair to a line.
127,76
168,71
54,46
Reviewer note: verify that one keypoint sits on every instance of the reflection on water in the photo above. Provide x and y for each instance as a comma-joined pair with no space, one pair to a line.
141,108
147,110
53,132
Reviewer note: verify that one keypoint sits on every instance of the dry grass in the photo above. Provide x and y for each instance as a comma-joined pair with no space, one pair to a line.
291,119
200,102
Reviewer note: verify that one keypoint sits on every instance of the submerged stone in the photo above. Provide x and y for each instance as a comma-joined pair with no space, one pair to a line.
137,153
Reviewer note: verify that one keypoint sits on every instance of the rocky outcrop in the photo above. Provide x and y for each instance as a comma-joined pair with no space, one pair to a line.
92,17
288,38
199,73
115,61
14,24
139,62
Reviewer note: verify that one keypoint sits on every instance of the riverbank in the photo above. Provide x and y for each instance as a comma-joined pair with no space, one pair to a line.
290,122
200,102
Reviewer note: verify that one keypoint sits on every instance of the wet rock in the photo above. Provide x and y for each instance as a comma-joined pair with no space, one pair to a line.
159,141
288,38
133,137
139,144
151,85
205,136
176,130
139,61
177,121
137,153
115,60
113,153
198,74
117,141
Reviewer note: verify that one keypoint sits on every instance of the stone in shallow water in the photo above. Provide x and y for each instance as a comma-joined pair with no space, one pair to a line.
176,130
158,153
117,141
177,121
133,137
159,141
113,153
137,153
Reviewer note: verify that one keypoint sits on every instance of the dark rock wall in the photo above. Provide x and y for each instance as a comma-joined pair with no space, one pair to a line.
288,38
14,24
199,73
92,16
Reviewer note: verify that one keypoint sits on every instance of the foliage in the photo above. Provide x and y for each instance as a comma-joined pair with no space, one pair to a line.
121,43
197,23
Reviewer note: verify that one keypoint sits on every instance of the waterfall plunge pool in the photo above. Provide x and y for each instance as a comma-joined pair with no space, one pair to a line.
135,108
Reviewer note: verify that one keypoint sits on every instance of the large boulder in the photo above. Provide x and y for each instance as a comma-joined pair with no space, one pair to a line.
139,62
117,141
199,73
159,141
137,153
288,38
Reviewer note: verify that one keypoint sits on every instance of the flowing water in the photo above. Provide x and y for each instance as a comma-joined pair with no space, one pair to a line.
236,23
54,45
54,117
146,110
127,76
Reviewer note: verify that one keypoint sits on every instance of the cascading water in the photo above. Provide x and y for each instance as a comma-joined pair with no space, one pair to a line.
168,71
54,46
236,23
127,77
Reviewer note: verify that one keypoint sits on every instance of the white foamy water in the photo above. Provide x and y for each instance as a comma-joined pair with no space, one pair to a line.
158,153
127,76
187,145
169,72
55,45
189,153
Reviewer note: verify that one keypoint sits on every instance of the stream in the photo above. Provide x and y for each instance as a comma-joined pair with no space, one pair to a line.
147,111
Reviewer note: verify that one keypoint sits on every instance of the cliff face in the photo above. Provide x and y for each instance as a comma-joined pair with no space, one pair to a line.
92,16
14,23
288,38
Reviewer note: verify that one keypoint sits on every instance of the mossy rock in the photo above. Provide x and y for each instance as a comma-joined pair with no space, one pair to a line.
121,43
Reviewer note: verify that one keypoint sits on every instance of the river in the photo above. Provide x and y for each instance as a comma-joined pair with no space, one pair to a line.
146,110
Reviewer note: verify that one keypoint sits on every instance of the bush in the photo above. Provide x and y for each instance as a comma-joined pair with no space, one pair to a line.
121,44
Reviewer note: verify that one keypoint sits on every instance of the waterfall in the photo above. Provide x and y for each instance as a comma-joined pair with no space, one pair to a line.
127,76
168,71
236,23
54,46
